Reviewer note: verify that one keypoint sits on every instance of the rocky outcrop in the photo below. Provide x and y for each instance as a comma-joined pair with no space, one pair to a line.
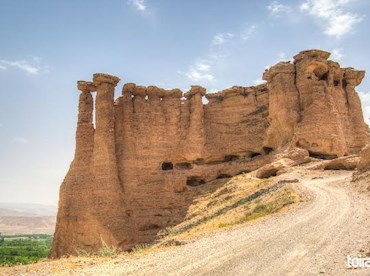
364,163
133,173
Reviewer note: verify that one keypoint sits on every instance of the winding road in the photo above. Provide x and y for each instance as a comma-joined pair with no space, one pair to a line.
312,239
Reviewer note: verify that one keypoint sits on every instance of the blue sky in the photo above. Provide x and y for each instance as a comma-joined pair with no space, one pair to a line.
46,46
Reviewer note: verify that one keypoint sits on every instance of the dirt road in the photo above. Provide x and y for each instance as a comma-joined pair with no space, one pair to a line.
313,239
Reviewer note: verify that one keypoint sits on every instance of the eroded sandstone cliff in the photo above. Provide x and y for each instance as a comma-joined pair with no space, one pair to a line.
131,173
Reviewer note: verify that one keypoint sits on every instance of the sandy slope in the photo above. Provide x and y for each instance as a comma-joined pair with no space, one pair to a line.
312,239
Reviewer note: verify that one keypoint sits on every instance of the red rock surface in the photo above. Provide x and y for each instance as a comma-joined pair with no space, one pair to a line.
132,173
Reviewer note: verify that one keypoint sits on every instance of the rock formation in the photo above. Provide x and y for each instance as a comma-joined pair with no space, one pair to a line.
131,173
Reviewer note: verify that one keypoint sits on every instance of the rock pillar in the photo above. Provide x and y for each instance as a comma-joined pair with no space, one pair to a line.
195,141
107,192
283,104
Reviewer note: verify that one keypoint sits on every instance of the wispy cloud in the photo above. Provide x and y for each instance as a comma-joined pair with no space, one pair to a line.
21,140
248,32
277,9
337,20
138,4
221,38
204,68
199,72
258,81
365,99
32,67
336,54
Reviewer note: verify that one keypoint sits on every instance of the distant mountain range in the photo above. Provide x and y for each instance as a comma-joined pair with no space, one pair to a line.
27,218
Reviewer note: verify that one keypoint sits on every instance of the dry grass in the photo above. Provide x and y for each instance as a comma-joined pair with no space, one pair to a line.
238,200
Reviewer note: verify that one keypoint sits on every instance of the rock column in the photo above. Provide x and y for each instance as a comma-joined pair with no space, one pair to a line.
85,127
283,104
107,191
194,148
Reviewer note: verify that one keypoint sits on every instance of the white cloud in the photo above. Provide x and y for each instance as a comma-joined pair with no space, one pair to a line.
336,54
258,81
221,38
2,67
365,100
248,32
200,71
21,140
20,64
282,56
277,9
138,4
337,21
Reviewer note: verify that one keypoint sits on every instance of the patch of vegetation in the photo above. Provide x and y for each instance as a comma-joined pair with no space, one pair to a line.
267,208
140,247
107,250
24,249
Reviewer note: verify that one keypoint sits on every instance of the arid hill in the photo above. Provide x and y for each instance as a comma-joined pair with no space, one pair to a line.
133,172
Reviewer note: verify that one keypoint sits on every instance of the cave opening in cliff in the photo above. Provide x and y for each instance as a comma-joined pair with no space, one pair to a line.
166,166
194,181
324,77
231,157
336,83
223,175
319,155
267,150
252,154
336,167
184,166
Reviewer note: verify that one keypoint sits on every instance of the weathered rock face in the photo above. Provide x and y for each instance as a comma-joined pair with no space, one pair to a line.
132,173
364,163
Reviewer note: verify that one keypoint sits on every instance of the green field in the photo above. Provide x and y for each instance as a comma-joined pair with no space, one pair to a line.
24,249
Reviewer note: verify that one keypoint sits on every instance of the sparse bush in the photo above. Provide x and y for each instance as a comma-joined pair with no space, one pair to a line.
107,250
139,247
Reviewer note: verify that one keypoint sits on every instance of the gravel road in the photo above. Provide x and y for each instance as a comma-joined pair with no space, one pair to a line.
313,239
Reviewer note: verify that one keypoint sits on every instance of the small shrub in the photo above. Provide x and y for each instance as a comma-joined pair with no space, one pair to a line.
139,247
107,250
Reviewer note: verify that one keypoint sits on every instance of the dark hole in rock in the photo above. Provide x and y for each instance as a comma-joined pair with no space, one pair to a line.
336,167
194,181
324,156
199,161
223,175
267,150
231,157
166,166
214,162
324,77
336,83
184,166
344,83
268,173
309,77
253,154
149,227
